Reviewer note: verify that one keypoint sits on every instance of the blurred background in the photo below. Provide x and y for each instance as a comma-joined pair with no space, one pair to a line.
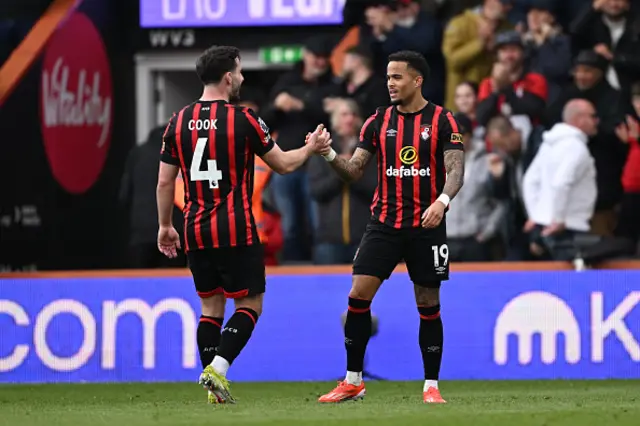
86,88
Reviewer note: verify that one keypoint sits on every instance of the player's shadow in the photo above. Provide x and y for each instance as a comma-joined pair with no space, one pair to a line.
374,331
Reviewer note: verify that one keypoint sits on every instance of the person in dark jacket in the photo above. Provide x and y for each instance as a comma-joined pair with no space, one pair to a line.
512,90
609,153
548,50
138,198
296,108
403,25
610,29
343,207
360,83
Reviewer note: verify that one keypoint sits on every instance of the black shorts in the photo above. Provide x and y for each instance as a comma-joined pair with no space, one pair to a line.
234,271
424,251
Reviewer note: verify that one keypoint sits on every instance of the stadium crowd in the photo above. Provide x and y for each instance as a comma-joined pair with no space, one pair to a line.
546,176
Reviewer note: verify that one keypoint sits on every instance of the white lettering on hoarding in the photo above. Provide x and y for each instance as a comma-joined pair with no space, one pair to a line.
301,8
549,316
111,313
20,352
149,316
88,346
536,313
602,327
179,10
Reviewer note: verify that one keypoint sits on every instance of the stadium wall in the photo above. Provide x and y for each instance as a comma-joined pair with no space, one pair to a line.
501,324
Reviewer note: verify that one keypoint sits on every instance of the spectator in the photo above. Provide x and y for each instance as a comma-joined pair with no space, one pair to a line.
406,27
507,164
468,43
518,12
466,101
560,185
360,83
548,49
138,198
627,232
475,217
343,207
629,219
609,153
512,90
296,109
608,28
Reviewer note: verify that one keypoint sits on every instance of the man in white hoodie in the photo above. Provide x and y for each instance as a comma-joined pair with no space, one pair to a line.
559,188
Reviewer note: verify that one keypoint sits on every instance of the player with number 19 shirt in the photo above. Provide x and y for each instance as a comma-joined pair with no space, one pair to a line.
420,160
213,143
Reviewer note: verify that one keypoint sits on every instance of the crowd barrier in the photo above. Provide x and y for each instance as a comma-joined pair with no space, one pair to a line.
499,324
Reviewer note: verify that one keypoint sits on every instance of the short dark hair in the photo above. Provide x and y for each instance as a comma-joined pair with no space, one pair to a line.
215,62
414,60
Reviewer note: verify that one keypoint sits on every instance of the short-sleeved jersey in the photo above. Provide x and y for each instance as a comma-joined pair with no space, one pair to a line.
410,152
214,144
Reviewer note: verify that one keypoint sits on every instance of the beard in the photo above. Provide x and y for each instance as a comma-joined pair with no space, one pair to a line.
397,102
234,96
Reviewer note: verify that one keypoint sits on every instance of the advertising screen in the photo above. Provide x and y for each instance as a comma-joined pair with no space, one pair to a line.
498,325
239,13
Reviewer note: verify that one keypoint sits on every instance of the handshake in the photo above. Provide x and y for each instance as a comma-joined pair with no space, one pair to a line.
319,142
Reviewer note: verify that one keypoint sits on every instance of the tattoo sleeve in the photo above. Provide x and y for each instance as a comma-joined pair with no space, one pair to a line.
454,164
352,169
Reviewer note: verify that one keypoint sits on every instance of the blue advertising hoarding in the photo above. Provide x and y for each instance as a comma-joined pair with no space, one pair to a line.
498,325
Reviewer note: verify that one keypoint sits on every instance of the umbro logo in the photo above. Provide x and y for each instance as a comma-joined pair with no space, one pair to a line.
391,133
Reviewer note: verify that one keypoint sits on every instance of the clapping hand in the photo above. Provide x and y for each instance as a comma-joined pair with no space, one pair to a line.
628,131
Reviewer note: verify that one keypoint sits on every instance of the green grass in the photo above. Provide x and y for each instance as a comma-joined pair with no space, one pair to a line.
539,403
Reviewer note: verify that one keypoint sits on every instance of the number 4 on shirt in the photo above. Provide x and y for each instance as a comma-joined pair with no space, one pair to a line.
212,174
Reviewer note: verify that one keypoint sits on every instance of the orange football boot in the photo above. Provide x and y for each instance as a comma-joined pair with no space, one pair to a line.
432,396
344,392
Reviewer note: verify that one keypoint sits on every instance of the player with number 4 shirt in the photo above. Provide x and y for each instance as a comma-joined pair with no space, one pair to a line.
420,156
212,143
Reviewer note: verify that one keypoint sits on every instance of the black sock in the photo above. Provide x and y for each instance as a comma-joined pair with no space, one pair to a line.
431,340
208,338
357,331
236,333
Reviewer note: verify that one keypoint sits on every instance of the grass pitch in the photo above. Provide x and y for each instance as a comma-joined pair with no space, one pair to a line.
539,403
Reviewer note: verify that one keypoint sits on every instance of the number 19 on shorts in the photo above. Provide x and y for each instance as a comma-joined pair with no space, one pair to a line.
440,256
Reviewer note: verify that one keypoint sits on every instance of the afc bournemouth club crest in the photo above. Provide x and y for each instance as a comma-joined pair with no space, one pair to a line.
425,131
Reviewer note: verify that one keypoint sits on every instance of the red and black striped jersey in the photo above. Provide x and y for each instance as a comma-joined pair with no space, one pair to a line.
214,144
410,153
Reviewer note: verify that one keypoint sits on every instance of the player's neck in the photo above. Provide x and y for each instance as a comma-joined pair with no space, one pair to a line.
213,93
415,105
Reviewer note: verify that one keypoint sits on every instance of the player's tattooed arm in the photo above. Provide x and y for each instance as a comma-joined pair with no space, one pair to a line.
454,165
353,168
